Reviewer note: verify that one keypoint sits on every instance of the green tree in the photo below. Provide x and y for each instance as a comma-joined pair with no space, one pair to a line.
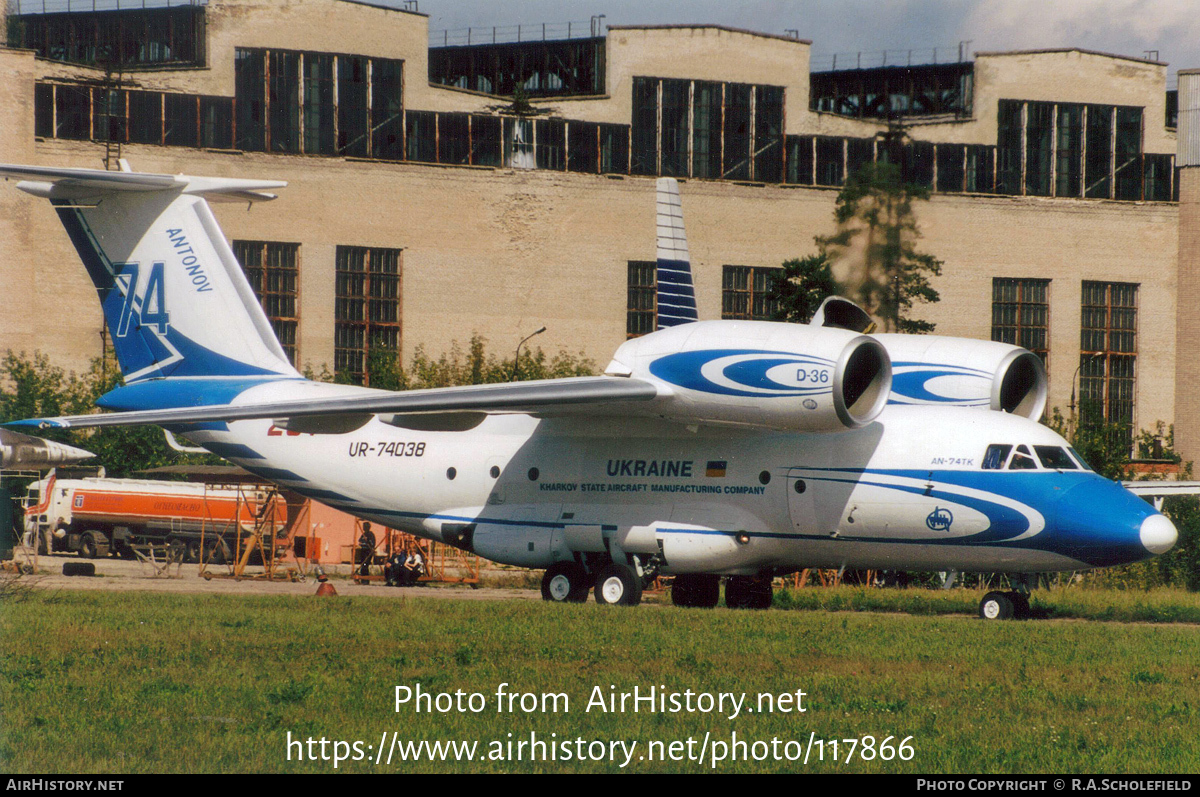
797,289
31,387
876,238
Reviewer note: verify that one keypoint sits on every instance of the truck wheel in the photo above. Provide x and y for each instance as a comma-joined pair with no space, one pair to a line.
87,546
193,552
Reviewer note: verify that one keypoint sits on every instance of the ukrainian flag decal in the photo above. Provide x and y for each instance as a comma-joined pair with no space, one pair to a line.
716,467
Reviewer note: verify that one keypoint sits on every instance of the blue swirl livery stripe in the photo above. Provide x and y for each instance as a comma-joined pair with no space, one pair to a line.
748,372
911,384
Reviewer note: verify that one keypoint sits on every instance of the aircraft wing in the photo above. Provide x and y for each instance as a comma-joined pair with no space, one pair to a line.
542,397
1156,488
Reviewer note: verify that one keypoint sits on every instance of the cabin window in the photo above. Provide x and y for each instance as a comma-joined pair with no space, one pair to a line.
1022,460
996,456
1055,458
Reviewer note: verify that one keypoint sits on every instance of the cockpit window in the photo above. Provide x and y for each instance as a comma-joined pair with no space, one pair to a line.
1022,460
1078,458
996,456
1055,457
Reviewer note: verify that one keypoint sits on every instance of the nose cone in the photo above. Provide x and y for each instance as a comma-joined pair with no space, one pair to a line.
1102,524
1158,535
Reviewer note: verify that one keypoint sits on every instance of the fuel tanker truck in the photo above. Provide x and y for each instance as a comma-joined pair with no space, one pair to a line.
97,517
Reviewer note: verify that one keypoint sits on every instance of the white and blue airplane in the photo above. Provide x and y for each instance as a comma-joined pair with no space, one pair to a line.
707,450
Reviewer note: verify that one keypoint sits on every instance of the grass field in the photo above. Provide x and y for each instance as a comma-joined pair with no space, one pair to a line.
142,682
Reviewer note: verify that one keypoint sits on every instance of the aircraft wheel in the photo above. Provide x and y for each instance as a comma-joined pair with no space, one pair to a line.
748,592
696,590
1020,602
996,606
565,582
618,584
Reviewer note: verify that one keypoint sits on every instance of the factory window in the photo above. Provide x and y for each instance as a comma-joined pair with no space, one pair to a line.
673,128
283,101
43,110
706,129
367,309
644,134
614,149
273,271
1108,354
800,159
737,131
859,152
1069,150
1127,168
550,139
1008,143
768,134
687,128
1098,166
420,133
319,124
1039,138
354,118
387,109
145,117
317,103
216,122
583,143
542,68
179,120
486,135
1068,163
744,293
980,166
1158,172
73,112
951,161
250,91
831,156
454,138
642,311
918,163
113,38
1021,314
108,115
880,92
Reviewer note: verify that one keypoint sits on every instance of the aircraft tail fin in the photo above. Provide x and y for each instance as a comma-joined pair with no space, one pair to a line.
176,301
676,294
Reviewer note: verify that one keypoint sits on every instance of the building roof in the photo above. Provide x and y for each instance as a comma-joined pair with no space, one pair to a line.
725,28
1051,50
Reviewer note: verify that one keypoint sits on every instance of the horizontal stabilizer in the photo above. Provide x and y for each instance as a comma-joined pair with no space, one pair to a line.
542,397
54,183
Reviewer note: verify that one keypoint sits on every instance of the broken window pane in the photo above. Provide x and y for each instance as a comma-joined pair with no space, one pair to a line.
353,113
1098,168
737,132
387,109
768,134
1128,154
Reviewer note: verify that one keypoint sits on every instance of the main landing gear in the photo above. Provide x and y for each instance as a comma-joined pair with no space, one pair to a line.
1004,606
703,590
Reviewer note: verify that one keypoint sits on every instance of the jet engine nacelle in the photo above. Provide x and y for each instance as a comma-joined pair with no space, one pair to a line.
960,372
755,373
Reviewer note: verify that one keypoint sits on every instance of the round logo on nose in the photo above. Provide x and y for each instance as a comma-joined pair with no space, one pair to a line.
939,519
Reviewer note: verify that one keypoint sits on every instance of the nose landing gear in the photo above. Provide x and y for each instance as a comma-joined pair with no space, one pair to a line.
1004,606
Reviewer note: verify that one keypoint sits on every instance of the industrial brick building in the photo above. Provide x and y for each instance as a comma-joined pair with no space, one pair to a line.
422,209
